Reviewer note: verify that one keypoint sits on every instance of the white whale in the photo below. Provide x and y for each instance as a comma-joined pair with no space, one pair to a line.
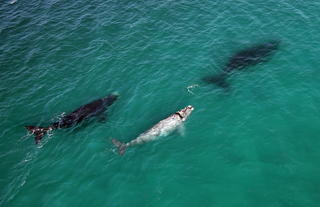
162,128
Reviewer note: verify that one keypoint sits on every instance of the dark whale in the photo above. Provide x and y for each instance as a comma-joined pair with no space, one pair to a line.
243,59
94,108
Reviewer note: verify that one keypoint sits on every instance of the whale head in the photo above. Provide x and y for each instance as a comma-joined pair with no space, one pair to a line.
185,112
110,99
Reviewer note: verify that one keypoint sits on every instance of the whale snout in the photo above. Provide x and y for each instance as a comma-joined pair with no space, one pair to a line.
116,93
110,99
113,96
186,111
190,107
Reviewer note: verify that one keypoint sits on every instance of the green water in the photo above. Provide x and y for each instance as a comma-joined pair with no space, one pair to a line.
256,145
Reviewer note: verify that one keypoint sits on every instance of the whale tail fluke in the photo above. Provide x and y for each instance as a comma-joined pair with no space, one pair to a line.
220,80
39,132
121,146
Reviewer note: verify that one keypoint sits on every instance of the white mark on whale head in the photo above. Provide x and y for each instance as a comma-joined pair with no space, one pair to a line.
185,112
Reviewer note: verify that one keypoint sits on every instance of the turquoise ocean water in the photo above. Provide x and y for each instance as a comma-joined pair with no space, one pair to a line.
256,145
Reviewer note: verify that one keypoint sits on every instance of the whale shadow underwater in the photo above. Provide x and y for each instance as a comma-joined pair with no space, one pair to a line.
243,59
92,109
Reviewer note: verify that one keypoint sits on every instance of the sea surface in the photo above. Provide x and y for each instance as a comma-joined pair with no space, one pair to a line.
256,144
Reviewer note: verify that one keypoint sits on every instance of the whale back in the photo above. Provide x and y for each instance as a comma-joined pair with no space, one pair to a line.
91,109
252,56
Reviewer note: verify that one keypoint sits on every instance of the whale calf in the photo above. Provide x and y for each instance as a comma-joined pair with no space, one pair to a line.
244,58
94,108
162,128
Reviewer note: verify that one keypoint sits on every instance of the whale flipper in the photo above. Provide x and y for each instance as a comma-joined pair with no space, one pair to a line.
39,132
181,130
121,146
220,80
102,118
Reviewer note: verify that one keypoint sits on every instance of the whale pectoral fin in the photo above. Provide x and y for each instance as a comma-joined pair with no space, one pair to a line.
102,118
219,80
181,130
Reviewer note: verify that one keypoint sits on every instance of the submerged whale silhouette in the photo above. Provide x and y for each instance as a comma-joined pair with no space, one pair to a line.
244,58
94,108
